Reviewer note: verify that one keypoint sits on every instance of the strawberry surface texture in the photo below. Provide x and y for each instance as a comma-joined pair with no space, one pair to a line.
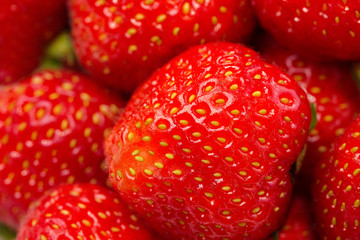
26,27
123,42
298,225
336,190
204,147
52,127
98,212
330,87
317,28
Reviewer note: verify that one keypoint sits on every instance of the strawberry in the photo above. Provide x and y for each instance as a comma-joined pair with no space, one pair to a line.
52,126
336,190
203,149
329,87
298,225
317,28
123,42
26,27
82,211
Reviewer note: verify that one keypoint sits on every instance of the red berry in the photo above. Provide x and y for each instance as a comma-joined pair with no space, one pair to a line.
329,86
298,225
82,211
336,190
52,126
123,42
26,27
204,148
325,28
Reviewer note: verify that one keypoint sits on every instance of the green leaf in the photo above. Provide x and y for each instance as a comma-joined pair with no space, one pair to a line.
59,53
50,64
300,159
313,116
62,49
6,233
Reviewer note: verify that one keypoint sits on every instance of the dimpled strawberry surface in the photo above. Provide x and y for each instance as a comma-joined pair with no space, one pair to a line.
298,225
336,188
123,42
52,127
26,27
206,152
330,87
98,212
179,119
327,29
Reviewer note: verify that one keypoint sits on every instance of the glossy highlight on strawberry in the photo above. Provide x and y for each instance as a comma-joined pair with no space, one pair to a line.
327,29
52,127
123,42
205,145
82,211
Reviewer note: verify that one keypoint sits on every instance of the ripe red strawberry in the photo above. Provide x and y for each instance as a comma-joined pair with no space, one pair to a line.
123,42
82,211
26,27
329,86
336,190
52,126
206,150
325,28
298,225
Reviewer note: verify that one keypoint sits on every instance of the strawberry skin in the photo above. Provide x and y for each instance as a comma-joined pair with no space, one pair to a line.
26,27
52,126
123,42
330,86
317,28
203,149
336,190
298,225
82,211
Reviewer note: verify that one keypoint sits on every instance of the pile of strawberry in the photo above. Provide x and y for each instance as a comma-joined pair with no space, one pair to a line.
179,120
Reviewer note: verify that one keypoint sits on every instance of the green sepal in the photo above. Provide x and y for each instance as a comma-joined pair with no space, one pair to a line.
50,64
300,159
6,233
313,116
59,53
